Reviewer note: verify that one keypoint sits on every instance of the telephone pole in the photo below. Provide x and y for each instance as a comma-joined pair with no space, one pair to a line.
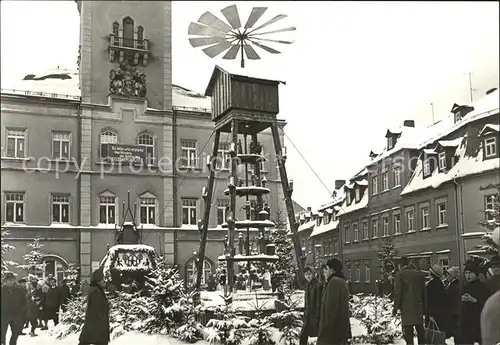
432,110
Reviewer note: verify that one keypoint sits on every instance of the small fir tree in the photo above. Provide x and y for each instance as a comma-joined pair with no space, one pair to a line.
387,256
491,223
34,265
284,249
7,265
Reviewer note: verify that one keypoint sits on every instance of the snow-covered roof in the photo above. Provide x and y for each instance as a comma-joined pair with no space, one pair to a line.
361,182
490,127
450,143
465,166
307,225
64,83
354,206
323,228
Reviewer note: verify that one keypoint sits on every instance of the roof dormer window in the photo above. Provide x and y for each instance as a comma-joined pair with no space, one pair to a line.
427,167
490,147
442,161
348,197
390,143
357,193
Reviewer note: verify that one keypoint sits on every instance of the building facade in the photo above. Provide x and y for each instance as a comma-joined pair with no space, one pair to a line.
425,192
82,149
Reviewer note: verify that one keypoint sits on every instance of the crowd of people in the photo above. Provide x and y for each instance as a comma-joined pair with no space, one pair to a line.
32,304
465,307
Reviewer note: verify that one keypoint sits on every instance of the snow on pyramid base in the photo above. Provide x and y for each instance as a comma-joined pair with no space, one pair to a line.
127,263
243,224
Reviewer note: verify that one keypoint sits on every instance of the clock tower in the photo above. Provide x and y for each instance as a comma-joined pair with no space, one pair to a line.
126,50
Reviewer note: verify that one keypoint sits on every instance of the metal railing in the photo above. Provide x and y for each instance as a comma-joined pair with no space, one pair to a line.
131,43
39,94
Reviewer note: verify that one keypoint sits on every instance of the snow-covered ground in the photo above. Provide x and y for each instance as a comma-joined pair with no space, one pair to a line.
45,338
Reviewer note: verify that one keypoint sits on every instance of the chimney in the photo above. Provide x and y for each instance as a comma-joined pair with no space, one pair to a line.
339,184
409,123
491,90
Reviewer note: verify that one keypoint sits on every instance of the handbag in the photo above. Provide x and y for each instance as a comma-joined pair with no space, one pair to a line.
433,335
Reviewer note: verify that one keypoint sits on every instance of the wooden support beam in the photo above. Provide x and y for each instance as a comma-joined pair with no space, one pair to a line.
232,203
288,202
206,213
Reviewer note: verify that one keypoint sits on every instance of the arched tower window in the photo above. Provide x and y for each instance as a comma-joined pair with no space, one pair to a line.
128,32
140,37
55,267
116,32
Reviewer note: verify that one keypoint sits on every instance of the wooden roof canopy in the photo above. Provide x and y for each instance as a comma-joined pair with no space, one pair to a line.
254,102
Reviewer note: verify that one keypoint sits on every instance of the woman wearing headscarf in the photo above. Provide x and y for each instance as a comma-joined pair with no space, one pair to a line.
436,298
95,329
474,296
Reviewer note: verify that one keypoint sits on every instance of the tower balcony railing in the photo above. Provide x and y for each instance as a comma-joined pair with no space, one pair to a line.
130,50
128,43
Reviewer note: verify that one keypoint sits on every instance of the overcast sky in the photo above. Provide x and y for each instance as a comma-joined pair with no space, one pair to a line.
355,68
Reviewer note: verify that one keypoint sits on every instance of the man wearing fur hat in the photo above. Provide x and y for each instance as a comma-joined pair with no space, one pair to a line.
96,325
474,295
436,297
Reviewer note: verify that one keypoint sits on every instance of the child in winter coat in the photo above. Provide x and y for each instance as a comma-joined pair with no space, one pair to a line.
474,296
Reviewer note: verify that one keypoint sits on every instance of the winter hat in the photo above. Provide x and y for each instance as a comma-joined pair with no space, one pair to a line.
471,266
454,272
97,275
10,276
437,271
334,264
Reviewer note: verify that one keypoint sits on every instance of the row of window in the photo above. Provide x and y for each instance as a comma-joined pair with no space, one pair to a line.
396,180
409,221
61,147
15,203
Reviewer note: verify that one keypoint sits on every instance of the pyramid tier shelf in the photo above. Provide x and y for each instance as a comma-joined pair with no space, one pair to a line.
249,190
243,224
251,258
250,158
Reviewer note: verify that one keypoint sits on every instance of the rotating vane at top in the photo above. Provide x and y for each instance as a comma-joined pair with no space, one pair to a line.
232,37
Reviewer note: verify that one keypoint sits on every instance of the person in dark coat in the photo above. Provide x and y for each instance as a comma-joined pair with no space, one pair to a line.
334,323
493,279
52,303
437,307
33,307
13,309
454,301
75,289
22,284
490,320
96,325
64,294
312,305
409,298
474,296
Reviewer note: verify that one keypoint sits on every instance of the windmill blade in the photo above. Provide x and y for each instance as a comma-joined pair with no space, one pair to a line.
215,50
232,53
266,48
255,15
209,19
202,30
275,41
232,16
205,41
250,52
292,28
269,22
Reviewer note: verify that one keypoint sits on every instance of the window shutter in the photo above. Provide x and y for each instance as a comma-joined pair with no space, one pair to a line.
20,148
56,153
65,149
11,147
